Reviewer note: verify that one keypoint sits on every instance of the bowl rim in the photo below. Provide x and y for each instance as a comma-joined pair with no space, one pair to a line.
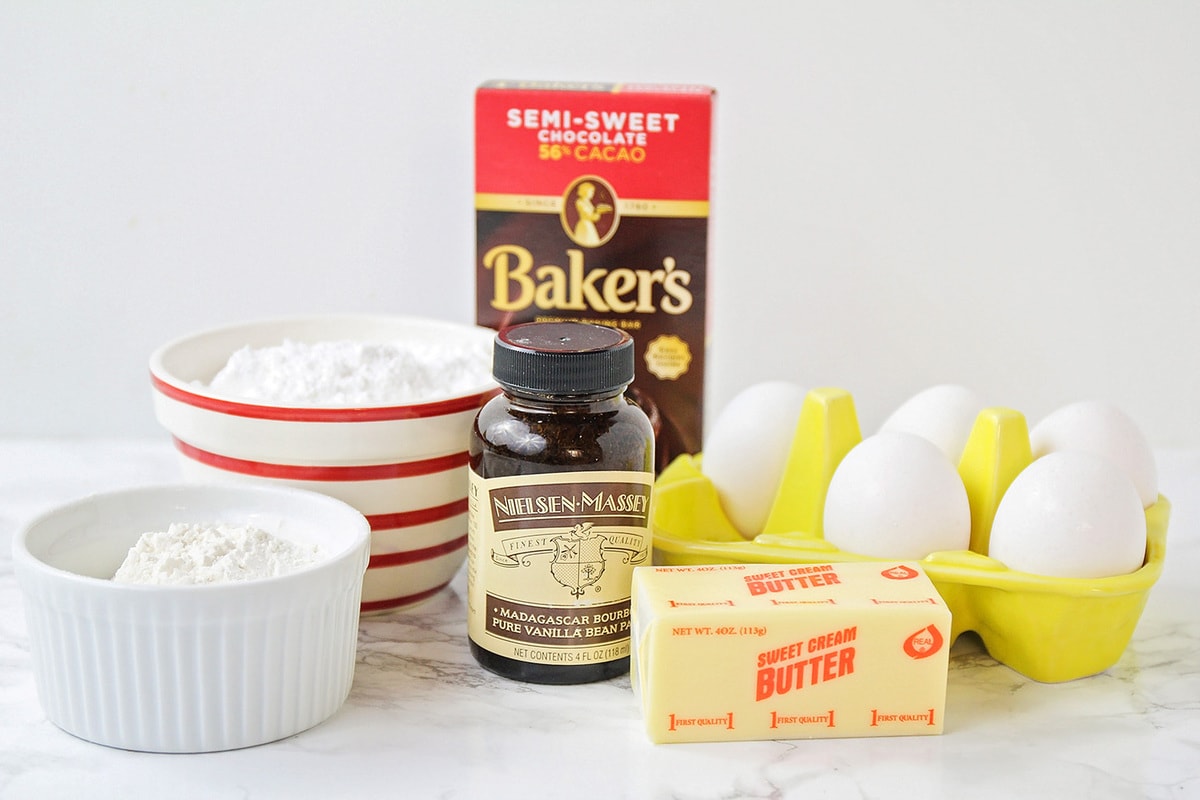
190,393
25,562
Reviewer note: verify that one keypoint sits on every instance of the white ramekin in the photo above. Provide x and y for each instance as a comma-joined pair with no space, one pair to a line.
192,668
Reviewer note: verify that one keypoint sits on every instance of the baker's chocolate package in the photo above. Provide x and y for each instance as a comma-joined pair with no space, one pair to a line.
592,203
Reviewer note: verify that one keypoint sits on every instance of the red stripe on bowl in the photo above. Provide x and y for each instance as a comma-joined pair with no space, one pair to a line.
396,602
365,472
380,560
437,408
420,516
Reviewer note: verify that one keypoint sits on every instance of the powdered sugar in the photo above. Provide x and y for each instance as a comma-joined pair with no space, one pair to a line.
351,373
187,554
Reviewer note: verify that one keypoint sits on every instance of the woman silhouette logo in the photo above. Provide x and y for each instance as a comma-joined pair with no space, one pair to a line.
589,212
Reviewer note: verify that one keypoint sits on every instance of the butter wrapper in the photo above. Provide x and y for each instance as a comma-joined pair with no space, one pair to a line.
730,652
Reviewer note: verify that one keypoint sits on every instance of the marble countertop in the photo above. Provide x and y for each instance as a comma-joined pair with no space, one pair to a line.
423,721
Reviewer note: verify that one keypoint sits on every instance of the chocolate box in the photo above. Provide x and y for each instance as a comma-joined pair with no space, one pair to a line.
592,203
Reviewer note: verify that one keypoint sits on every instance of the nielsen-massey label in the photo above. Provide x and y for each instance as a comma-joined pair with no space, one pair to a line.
550,563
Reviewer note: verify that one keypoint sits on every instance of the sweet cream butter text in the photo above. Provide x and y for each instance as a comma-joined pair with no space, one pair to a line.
820,659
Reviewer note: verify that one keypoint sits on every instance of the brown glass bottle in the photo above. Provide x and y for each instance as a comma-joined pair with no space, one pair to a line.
561,469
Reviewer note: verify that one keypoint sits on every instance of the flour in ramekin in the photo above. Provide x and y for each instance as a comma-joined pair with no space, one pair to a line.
352,373
211,553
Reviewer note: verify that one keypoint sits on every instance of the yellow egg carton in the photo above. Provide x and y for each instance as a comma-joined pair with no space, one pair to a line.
1049,629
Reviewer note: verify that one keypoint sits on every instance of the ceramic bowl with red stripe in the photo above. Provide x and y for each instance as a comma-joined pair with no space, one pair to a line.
403,465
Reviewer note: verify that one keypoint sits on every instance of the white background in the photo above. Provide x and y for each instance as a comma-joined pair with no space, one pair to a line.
1005,195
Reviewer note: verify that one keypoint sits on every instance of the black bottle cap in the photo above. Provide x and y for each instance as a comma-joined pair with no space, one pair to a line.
563,358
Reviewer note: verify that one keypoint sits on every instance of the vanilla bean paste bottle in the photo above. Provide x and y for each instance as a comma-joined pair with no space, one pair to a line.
561,468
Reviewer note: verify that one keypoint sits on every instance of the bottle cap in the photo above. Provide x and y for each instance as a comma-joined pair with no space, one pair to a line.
563,358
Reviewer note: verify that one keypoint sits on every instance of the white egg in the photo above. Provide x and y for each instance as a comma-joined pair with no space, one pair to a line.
1092,426
895,495
1070,515
943,414
746,451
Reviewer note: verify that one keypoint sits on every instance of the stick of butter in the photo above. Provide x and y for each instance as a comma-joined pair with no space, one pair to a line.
788,651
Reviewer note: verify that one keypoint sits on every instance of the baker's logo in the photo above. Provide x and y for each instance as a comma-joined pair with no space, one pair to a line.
589,211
